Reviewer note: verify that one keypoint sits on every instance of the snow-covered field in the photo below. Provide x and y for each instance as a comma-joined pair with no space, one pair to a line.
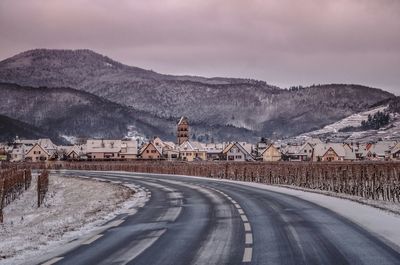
73,207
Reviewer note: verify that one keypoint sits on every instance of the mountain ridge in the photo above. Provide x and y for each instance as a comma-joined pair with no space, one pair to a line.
245,104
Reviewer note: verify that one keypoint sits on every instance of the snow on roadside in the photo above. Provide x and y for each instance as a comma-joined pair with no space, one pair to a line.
390,206
73,208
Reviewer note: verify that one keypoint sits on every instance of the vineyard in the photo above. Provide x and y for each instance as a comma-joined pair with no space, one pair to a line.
12,183
17,178
370,180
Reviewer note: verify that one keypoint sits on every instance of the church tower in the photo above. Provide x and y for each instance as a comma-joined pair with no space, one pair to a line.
183,130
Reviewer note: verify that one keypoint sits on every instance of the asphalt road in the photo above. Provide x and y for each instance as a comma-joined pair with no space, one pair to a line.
201,221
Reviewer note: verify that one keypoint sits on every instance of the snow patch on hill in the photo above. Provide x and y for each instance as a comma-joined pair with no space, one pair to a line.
352,120
332,131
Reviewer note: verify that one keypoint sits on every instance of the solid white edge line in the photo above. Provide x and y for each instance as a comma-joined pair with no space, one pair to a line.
116,223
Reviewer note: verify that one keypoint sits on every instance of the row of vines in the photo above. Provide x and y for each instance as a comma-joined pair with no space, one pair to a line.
17,178
371,180
12,183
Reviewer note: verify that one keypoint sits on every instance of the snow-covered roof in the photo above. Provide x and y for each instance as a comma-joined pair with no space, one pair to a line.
169,145
78,149
291,149
191,146
341,150
159,150
47,144
268,147
237,145
382,148
103,146
44,150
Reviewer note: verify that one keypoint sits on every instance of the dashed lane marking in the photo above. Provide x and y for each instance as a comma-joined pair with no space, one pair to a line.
244,218
248,251
247,227
247,256
249,239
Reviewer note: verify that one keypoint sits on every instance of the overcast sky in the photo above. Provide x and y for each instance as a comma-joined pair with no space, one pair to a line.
284,42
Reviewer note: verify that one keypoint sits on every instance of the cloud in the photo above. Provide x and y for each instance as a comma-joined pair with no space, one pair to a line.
284,42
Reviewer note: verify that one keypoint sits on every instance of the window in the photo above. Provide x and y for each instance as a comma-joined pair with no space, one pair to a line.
238,157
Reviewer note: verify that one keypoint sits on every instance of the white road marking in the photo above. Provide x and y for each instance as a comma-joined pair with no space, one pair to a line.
116,223
244,218
126,255
247,227
249,238
247,255
91,240
53,260
170,215
240,211
237,205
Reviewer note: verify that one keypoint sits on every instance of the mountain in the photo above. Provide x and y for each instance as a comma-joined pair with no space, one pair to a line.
10,128
70,112
217,107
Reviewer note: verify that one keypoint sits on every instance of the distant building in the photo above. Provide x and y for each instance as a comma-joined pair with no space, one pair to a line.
381,150
271,154
36,154
395,152
151,151
183,131
129,149
100,149
192,151
236,152
333,152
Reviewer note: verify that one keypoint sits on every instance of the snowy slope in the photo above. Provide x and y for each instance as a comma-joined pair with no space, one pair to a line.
352,120
332,131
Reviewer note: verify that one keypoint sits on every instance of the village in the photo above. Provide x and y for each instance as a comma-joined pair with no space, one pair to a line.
184,149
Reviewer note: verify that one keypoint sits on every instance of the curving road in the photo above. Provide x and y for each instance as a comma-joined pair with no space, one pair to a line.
202,221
